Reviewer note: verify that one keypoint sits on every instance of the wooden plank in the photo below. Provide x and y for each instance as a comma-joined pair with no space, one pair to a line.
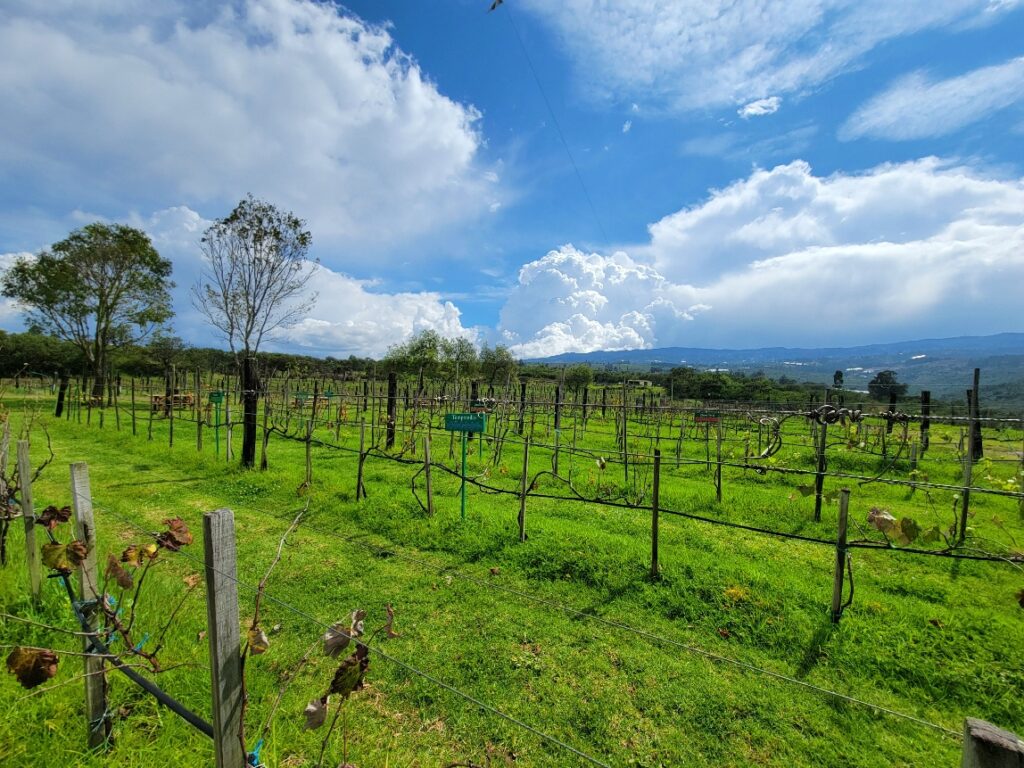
223,636
28,517
986,746
97,721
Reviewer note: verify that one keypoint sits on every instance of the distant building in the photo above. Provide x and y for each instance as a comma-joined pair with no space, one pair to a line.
638,383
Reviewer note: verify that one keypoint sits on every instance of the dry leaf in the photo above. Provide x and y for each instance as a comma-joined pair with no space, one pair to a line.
64,557
192,579
316,713
336,639
32,666
51,517
176,536
117,573
389,626
258,641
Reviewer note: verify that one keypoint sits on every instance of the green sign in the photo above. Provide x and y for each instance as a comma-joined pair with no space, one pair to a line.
707,417
217,397
465,422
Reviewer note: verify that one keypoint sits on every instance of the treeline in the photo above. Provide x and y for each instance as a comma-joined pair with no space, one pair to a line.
426,357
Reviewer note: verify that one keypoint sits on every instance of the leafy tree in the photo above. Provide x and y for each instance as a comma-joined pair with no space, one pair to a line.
578,377
837,380
102,287
497,364
254,283
884,385
459,358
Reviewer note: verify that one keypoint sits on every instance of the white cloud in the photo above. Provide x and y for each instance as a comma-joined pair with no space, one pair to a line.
760,107
317,111
693,55
349,319
785,257
916,107
626,126
10,315
571,301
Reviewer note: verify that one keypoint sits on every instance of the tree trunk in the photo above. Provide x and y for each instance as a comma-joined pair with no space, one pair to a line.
99,380
250,400
60,394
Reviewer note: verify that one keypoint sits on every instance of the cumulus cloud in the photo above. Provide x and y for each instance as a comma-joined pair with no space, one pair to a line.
293,100
693,55
784,257
627,126
760,107
352,319
916,107
571,301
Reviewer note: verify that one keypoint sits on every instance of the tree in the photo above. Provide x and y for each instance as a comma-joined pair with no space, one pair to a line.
885,385
254,283
102,287
166,349
837,380
578,377
497,364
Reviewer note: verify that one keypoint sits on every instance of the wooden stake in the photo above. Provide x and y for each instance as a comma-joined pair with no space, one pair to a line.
134,431
426,471
524,489
222,632
360,489
986,746
97,720
837,580
655,502
718,458
819,478
28,516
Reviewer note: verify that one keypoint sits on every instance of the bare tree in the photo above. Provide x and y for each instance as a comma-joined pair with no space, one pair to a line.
254,283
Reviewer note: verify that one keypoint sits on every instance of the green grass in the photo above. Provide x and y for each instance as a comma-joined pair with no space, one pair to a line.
934,638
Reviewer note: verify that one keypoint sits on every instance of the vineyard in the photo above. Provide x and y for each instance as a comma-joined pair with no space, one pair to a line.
601,576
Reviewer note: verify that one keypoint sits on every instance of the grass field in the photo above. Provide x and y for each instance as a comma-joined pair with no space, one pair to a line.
933,638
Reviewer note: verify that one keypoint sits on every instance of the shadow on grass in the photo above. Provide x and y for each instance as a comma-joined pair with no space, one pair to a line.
815,649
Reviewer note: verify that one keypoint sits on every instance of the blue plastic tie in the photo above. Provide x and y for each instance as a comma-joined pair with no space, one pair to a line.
254,756
142,642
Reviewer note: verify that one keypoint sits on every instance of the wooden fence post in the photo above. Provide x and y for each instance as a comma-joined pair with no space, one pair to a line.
134,429
655,505
28,516
426,471
96,717
524,489
986,746
718,458
360,488
837,581
819,478
222,632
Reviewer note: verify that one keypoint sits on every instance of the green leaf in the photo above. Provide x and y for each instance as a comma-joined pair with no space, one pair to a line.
806,490
64,557
933,534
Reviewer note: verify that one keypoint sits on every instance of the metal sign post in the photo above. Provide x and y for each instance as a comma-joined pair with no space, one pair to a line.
465,422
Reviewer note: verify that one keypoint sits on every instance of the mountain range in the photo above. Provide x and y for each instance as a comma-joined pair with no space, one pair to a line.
943,366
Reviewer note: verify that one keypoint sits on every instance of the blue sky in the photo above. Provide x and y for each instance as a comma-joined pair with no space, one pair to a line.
553,176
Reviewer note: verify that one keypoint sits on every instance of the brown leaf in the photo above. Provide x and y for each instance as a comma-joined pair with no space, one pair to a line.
389,626
258,641
724,632
51,517
348,676
937,623
117,573
495,571
356,629
336,639
192,579
32,666
176,536
316,712
64,557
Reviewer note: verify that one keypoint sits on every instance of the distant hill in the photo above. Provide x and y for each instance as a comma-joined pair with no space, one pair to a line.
943,366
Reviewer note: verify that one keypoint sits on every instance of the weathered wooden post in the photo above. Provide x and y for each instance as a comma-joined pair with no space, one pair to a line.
197,413
926,424
134,431
718,459
837,580
28,517
360,488
392,404
426,472
655,503
986,746
819,478
522,406
222,632
524,489
96,717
